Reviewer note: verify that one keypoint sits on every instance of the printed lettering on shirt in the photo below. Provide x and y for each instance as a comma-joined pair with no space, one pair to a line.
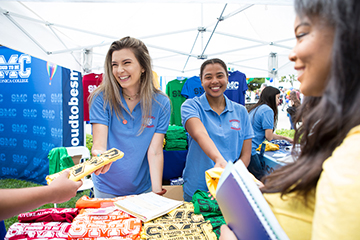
235,124
176,93
150,122
198,91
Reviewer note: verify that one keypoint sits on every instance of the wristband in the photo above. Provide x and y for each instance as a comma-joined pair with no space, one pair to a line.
163,191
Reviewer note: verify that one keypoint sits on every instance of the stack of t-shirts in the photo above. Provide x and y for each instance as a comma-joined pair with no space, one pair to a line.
100,219
104,223
176,138
44,224
180,223
209,209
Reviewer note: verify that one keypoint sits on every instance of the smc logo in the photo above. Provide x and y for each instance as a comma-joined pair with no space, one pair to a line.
15,67
9,171
18,98
7,112
19,128
48,114
39,162
232,85
56,98
91,88
30,174
30,113
56,132
47,146
21,159
39,130
8,142
32,144
39,98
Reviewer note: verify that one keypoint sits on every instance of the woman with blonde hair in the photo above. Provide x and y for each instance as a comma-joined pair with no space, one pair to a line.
128,113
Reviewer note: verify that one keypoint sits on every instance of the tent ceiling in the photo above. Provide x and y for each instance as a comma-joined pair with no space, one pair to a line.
178,35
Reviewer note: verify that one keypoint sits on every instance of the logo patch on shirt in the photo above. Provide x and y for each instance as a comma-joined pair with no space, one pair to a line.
149,122
235,124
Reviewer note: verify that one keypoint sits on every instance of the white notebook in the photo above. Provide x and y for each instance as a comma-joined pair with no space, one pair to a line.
147,206
243,206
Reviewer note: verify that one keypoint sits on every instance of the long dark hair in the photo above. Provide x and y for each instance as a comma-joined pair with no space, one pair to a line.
268,97
332,116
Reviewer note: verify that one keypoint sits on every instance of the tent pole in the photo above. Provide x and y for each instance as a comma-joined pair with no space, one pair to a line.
191,51
219,19
7,14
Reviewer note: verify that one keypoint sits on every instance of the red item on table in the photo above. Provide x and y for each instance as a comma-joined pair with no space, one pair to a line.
38,230
49,215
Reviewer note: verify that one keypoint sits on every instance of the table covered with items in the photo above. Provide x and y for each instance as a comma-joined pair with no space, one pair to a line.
275,154
94,218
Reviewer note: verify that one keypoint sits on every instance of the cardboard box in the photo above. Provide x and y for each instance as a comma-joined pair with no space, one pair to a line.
174,192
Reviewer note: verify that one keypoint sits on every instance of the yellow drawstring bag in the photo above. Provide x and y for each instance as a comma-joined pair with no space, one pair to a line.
269,146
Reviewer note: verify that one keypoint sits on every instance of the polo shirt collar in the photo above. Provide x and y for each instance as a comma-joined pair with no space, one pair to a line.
204,102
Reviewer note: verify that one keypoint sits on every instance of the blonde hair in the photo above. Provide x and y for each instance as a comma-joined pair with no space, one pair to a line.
111,88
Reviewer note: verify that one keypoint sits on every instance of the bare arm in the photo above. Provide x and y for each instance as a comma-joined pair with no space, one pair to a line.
16,201
270,135
100,135
155,156
246,152
197,131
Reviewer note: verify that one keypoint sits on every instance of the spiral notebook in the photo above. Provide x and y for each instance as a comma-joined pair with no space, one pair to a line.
243,206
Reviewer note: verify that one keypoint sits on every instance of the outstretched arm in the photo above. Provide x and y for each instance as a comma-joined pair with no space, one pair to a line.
16,201
197,131
270,135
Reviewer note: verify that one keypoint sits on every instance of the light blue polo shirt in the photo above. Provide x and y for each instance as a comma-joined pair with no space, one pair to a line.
130,174
263,119
228,131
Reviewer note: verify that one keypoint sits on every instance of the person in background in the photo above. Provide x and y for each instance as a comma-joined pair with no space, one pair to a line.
219,129
294,104
263,118
15,201
127,112
262,87
317,196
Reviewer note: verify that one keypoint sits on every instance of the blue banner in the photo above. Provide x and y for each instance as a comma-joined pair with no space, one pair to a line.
73,121
31,114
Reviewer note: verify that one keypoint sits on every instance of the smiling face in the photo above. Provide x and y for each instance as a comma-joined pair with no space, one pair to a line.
126,69
312,55
214,80
277,99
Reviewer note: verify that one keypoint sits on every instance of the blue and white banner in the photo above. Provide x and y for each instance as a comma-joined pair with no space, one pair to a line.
73,115
32,113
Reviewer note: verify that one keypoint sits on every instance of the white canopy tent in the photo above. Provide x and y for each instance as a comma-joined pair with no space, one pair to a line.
179,36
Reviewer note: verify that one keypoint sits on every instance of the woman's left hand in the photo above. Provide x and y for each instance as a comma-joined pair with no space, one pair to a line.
220,163
226,233
103,169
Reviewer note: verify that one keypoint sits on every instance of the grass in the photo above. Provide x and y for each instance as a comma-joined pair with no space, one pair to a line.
14,183
285,132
